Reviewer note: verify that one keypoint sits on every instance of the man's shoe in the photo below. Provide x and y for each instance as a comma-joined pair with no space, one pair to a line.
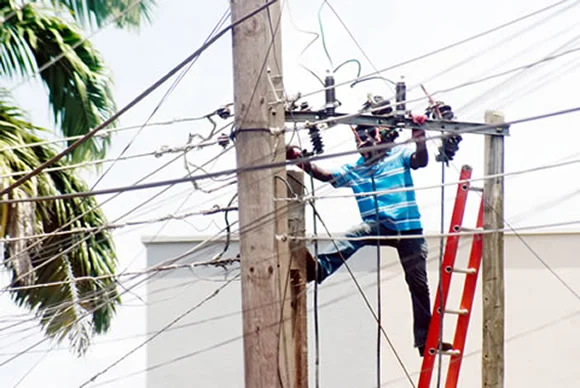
445,346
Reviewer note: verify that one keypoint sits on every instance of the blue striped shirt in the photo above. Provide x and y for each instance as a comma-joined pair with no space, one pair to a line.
397,210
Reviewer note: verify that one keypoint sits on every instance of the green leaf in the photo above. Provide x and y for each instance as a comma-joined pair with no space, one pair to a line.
74,310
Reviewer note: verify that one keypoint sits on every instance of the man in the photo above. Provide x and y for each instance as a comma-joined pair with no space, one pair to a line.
392,213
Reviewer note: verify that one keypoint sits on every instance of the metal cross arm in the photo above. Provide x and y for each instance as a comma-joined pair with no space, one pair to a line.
447,126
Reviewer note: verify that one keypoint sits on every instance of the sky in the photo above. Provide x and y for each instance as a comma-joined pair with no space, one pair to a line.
388,33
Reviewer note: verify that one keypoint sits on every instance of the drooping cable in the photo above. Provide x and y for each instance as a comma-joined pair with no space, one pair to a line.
166,327
315,308
440,273
137,99
379,307
452,45
173,86
364,296
322,36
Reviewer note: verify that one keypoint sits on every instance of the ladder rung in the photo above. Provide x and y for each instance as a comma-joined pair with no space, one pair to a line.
453,352
458,312
469,271
475,188
464,229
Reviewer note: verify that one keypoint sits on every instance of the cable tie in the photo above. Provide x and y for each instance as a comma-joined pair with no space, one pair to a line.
277,131
282,237
161,151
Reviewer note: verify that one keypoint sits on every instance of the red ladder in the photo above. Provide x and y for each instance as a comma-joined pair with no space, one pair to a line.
447,269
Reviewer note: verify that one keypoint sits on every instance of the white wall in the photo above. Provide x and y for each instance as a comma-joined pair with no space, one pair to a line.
205,350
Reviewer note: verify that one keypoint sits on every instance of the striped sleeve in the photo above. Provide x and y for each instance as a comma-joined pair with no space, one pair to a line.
340,176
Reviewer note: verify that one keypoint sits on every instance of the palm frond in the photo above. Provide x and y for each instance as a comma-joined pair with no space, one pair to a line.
79,85
73,309
98,12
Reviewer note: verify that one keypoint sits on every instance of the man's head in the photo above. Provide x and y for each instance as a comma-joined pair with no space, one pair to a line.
369,136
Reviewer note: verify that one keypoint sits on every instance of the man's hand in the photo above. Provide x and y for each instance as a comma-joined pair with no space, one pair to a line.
292,153
418,119
420,158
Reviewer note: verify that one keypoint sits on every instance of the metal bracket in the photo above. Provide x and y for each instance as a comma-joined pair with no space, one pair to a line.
448,126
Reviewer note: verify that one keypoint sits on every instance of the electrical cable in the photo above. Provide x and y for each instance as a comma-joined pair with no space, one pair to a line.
379,307
142,204
157,153
169,325
554,54
171,88
62,55
70,222
103,133
316,36
440,270
136,100
168,217
322,37
166,262
280,164
388,82
358,286
98,292
247,16
316,302
501,42
450,46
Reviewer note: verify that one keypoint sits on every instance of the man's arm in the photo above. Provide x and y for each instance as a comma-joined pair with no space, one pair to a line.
316,172
310,168
421,157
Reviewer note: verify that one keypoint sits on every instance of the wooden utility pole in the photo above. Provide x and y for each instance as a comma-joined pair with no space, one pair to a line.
297,324
493,259
258,120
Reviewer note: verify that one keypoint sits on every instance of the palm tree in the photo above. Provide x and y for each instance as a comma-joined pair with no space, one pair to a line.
49,274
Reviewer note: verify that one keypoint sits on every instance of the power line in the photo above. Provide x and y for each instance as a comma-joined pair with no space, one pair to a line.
434,235
462,85
169,217
160,103
225,342
135,101
70,248
450,46
436,186
503,41
103,133
163,150
57,58
123,189
166,327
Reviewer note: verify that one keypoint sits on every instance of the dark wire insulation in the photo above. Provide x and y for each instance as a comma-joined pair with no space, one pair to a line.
135,101
441,250
173,86
316,269
365,298
379,309
475,129
452,45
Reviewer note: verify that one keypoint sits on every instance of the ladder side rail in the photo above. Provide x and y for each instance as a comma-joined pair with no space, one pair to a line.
447,264
467,298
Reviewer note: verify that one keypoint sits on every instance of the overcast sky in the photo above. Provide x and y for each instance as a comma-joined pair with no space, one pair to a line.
389,33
